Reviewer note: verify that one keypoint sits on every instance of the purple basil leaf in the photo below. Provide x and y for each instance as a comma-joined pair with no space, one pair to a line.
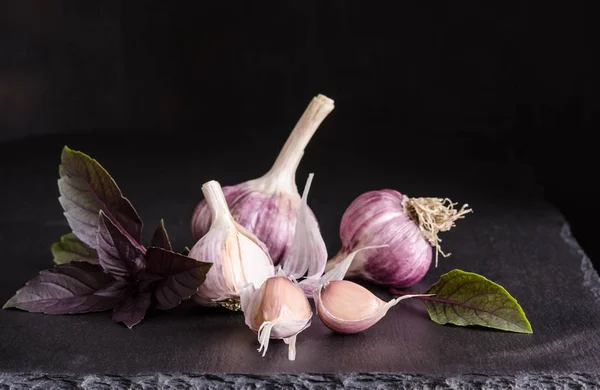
161,238
182,276
116,289
146,281
85,189
132,310
65,289
117,255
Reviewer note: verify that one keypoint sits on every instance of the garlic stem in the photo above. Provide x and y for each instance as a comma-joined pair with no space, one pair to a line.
216,201
284,168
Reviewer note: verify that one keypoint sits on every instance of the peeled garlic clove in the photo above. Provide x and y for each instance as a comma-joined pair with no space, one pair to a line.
267,206
277,310
346,307
238,257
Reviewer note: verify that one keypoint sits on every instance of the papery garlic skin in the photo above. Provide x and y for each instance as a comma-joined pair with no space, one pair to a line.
346,307
238,257
308,255
277,310
271,216
379,218
267,206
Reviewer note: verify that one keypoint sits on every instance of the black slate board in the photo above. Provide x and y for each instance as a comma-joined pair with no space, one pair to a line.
514,238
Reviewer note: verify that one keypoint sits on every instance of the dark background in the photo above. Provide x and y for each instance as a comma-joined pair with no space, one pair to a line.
519,75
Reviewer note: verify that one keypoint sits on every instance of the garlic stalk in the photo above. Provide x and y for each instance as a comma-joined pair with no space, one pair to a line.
239,258
277,310
267,206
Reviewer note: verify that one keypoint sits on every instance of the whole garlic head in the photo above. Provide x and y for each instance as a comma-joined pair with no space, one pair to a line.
239,258
277,310
268,206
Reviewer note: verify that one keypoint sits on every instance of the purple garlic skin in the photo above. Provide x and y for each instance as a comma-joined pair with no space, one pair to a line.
269,215
267,206
379,218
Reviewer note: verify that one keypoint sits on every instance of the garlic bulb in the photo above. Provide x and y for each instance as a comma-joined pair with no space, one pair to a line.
238,257
267,206
347,307
408,227
277,310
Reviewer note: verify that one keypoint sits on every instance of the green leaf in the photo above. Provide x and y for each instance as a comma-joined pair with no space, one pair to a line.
70,248
465,298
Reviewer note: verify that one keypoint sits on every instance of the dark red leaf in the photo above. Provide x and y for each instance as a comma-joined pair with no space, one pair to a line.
160,238
117,255
181,276
132,310
86,188
65,289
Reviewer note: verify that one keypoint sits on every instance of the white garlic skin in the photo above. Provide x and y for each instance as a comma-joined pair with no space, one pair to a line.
280,296
378,218
346,307
238,257
278,310
267,213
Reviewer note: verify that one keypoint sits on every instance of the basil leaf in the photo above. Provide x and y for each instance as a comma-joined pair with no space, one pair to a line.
465,298
181,276
85,189
160,238
131,311
117,255
65,289
70,248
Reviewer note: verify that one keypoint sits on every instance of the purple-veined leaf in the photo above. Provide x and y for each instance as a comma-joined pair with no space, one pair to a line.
466,298
70,248
160,238
181,276
132,310
115,289
86,188
65,289
117,255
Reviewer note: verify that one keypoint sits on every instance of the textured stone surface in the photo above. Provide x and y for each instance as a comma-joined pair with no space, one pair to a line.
277,381
513,238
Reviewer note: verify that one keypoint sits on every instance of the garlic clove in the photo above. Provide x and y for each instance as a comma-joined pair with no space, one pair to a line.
275,192
346,307
308,253
277,310
336,272
238,257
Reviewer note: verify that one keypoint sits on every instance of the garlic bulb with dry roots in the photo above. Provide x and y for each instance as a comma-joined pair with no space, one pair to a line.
267,206
408,227
347,307
239,258
277,310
